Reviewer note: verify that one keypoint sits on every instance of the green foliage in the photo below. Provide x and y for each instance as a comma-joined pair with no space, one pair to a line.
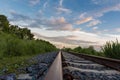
112,49
89,50
78,49
4,23
11,64
67,49
16,41
10,45
22,33
17,45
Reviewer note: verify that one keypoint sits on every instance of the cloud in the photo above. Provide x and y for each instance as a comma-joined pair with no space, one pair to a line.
83,15
106,10
17,17
61,3
73,39
117,29
53,23
45,4
101,11
84,20
60,9
95,1
95,28
60,24
101,2
63,10
34,2
24,20
65,39
94,23
68,41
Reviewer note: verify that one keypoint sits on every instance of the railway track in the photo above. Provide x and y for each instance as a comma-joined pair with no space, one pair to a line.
83,67
68,66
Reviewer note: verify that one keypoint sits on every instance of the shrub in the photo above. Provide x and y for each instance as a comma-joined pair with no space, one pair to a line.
11,45
112,49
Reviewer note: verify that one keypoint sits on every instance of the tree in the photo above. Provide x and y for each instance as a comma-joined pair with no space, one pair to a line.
78,49
4,23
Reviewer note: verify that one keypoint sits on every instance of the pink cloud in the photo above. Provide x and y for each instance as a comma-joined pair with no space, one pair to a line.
84,20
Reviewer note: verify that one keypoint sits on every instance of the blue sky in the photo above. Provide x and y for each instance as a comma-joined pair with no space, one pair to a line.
67,22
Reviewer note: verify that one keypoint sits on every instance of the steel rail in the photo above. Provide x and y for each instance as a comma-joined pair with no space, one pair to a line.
55,71
112,63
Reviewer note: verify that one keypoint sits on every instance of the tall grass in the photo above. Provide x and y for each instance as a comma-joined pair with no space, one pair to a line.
112,49
10,46
15,51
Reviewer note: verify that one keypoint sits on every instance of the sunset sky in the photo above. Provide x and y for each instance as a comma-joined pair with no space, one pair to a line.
67,23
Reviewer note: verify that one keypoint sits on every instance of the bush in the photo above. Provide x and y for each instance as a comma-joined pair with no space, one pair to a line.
10,45
112,49
89,50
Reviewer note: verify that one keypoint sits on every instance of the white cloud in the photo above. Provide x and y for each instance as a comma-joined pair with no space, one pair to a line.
60,9
85,37
60,24
101,11
83,15
73,39
45,4
94,23
95,28
117,29
114,36
63,10
61,3
100,2
34,2
53,23
95,1
83,20
106,10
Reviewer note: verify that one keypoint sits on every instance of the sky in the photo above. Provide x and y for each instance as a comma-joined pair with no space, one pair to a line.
68,23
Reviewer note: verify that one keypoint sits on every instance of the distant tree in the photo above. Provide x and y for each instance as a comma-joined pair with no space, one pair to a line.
78,49
67,49
4,23
22,33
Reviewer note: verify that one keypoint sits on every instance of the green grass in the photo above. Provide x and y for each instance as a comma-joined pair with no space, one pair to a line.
17,45
13,63
112,49
14,51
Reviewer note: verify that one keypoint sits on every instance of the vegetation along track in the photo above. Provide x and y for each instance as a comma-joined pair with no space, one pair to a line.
82,67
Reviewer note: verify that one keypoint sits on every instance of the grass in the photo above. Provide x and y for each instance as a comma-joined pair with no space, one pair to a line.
112,49
13,63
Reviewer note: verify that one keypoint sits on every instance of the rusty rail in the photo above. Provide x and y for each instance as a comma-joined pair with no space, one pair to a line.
113,63
55,71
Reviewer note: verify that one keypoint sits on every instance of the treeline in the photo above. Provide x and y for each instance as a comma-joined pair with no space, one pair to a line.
110,49
89,50
16,41
21,33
